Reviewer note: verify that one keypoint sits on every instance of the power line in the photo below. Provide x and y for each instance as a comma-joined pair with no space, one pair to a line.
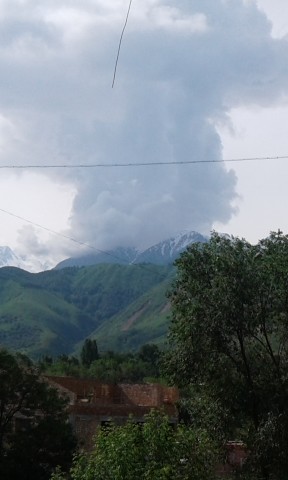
67,237
141,164
82,244
120,42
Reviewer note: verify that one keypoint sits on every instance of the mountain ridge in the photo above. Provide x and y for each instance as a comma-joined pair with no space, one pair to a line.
121,302
162,253
9,258
53,312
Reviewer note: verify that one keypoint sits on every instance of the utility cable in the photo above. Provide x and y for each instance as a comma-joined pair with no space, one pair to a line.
79,242
120,42
141,164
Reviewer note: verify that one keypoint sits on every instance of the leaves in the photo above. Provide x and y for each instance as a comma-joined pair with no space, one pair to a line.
89,352
152,451
34,433
229,332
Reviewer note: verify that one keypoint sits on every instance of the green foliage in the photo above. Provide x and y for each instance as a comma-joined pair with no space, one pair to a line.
110,367
34,433
142,321
62,365
89,352
149,353
53,312
153,451
197,407
229,333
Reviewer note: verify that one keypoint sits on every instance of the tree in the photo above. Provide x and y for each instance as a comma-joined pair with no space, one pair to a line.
34,433
229,335
111,367
153,451
62,365
89,352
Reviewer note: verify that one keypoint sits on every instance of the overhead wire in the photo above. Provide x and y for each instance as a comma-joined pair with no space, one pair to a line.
59,234
120,43
142,164
116,165
87,245
79,242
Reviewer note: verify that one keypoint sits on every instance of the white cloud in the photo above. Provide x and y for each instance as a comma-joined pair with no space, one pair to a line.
183,66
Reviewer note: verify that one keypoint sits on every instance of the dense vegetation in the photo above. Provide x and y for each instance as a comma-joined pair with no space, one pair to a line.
52,312
34,434
35,437
110,367
154,451
228,352
229,345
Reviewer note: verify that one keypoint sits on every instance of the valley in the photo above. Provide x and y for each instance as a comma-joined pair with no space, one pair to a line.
52,312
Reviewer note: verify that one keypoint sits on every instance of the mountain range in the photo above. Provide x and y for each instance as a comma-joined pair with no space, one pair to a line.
52,312
162,253
120,299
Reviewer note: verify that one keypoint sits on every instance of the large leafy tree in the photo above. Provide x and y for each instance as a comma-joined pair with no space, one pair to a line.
152,451
228,338
34,433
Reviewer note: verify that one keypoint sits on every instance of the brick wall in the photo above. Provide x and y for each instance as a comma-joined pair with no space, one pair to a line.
93,402
91,390
146,395
97,393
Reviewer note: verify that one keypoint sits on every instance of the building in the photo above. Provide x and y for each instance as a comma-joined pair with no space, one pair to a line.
236,456
93,404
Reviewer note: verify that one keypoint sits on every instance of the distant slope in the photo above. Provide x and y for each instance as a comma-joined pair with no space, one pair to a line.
163,253
53,311
166,252
143,321
36,321
120,255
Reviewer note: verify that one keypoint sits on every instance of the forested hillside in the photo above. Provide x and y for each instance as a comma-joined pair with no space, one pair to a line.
54,311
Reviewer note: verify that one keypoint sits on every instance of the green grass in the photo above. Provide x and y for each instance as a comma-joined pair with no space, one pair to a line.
143,321
53,312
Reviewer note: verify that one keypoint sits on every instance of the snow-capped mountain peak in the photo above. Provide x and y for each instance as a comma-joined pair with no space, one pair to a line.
180,242
167,251
162,253
8,258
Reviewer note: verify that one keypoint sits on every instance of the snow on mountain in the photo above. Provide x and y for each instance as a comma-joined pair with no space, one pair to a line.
168,250
162,253
8,258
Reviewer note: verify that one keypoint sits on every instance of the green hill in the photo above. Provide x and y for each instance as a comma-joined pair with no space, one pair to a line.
123,306
143,321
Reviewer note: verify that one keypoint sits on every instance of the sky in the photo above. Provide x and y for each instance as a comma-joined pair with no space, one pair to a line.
196,80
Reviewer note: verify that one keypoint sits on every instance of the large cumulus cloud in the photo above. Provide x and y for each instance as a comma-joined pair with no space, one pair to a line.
183,65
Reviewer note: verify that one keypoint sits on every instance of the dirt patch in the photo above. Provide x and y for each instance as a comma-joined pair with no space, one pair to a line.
166,308
131,320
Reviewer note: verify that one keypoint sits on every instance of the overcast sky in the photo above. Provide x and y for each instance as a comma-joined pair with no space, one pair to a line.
196,80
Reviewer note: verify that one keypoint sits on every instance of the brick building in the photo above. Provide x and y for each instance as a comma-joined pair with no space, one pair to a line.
93,404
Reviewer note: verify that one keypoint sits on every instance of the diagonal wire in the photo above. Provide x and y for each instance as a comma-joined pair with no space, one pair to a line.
84,244
120,42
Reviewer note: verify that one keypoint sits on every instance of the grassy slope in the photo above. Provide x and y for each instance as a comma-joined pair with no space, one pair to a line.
37,322
143,321
53,311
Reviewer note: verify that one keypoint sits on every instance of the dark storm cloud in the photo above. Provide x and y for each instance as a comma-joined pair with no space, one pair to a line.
183,66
